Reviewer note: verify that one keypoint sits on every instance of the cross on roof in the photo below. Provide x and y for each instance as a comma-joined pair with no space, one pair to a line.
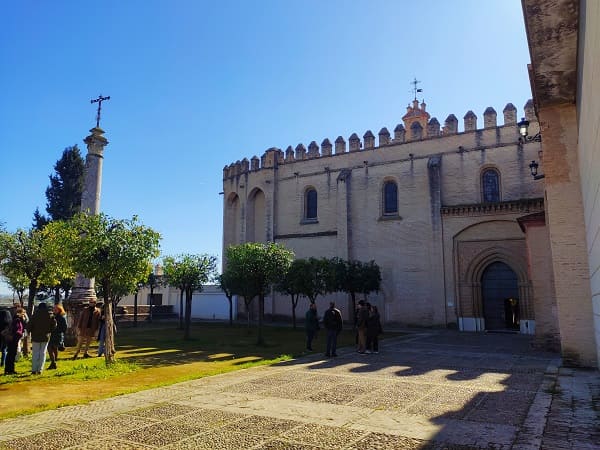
415,82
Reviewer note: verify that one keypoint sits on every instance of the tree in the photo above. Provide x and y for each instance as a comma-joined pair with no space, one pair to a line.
371,278
63,202
256,267
153,281
226,283
190,272
355,277
32,258
291,284
39,220
16,281
116,252
66,185
318,279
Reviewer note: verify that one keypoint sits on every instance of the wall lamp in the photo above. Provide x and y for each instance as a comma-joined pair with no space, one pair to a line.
524,132
534,171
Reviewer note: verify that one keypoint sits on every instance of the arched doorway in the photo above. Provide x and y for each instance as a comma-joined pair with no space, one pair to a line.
500,297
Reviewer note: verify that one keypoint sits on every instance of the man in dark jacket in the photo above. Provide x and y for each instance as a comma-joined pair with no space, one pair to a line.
332,320
40,326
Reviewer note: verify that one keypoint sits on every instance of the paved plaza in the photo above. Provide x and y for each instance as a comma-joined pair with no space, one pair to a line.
426,390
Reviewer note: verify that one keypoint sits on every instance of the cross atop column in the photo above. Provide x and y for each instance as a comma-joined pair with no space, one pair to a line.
99,100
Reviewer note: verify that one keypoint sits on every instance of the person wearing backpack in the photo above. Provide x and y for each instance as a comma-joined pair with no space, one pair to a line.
57,337
17,328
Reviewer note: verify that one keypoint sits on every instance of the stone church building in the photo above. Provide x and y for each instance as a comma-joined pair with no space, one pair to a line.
445,213
464,234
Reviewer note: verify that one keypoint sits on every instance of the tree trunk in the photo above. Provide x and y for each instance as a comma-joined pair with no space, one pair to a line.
151,303
188,313
247,303
135,308
57,295
33,286
181,309
32,293
294,304
353,296
109,327
230,298
261,311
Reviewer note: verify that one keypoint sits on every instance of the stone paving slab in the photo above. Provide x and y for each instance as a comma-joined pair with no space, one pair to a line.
435,391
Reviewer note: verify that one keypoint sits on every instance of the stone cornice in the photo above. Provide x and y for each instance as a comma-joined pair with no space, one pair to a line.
529,205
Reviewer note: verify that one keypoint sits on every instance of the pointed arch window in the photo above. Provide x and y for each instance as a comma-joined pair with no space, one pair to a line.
390,198
310,204
490,183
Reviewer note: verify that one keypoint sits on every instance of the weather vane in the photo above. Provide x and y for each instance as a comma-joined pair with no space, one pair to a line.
99,100
415,90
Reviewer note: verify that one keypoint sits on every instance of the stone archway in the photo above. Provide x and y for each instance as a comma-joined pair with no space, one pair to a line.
472,285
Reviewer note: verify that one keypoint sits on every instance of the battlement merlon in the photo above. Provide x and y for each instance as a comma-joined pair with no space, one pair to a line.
418,125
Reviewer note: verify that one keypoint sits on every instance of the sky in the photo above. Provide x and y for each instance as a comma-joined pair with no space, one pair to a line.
196,85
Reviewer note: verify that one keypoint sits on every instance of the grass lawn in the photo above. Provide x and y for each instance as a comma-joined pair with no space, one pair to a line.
151,356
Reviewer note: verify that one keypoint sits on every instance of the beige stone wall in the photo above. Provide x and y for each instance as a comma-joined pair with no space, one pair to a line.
565,220
542,282
589,144
414,250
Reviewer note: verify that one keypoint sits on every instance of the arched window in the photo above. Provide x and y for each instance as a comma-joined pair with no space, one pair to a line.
310,204
490,182
390,198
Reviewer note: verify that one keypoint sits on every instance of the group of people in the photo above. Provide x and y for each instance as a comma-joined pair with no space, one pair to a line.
367,324
46,329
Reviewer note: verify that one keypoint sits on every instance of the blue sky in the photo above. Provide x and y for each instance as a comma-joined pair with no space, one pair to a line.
196,85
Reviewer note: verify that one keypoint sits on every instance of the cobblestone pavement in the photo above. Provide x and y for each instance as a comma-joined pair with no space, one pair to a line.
428,390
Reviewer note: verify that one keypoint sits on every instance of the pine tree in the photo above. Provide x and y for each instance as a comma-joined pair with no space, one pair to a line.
66,186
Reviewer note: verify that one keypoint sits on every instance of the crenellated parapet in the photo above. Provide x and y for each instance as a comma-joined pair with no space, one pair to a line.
369,139
354,142
489,118
417,125
384,136
451,125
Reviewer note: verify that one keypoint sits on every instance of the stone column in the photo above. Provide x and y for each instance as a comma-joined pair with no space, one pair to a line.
83,291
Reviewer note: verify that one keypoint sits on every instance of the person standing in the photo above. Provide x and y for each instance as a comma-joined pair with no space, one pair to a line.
17,328
57,337
87,327
5,321
41,324
361,324
311,323
332,320
373,330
